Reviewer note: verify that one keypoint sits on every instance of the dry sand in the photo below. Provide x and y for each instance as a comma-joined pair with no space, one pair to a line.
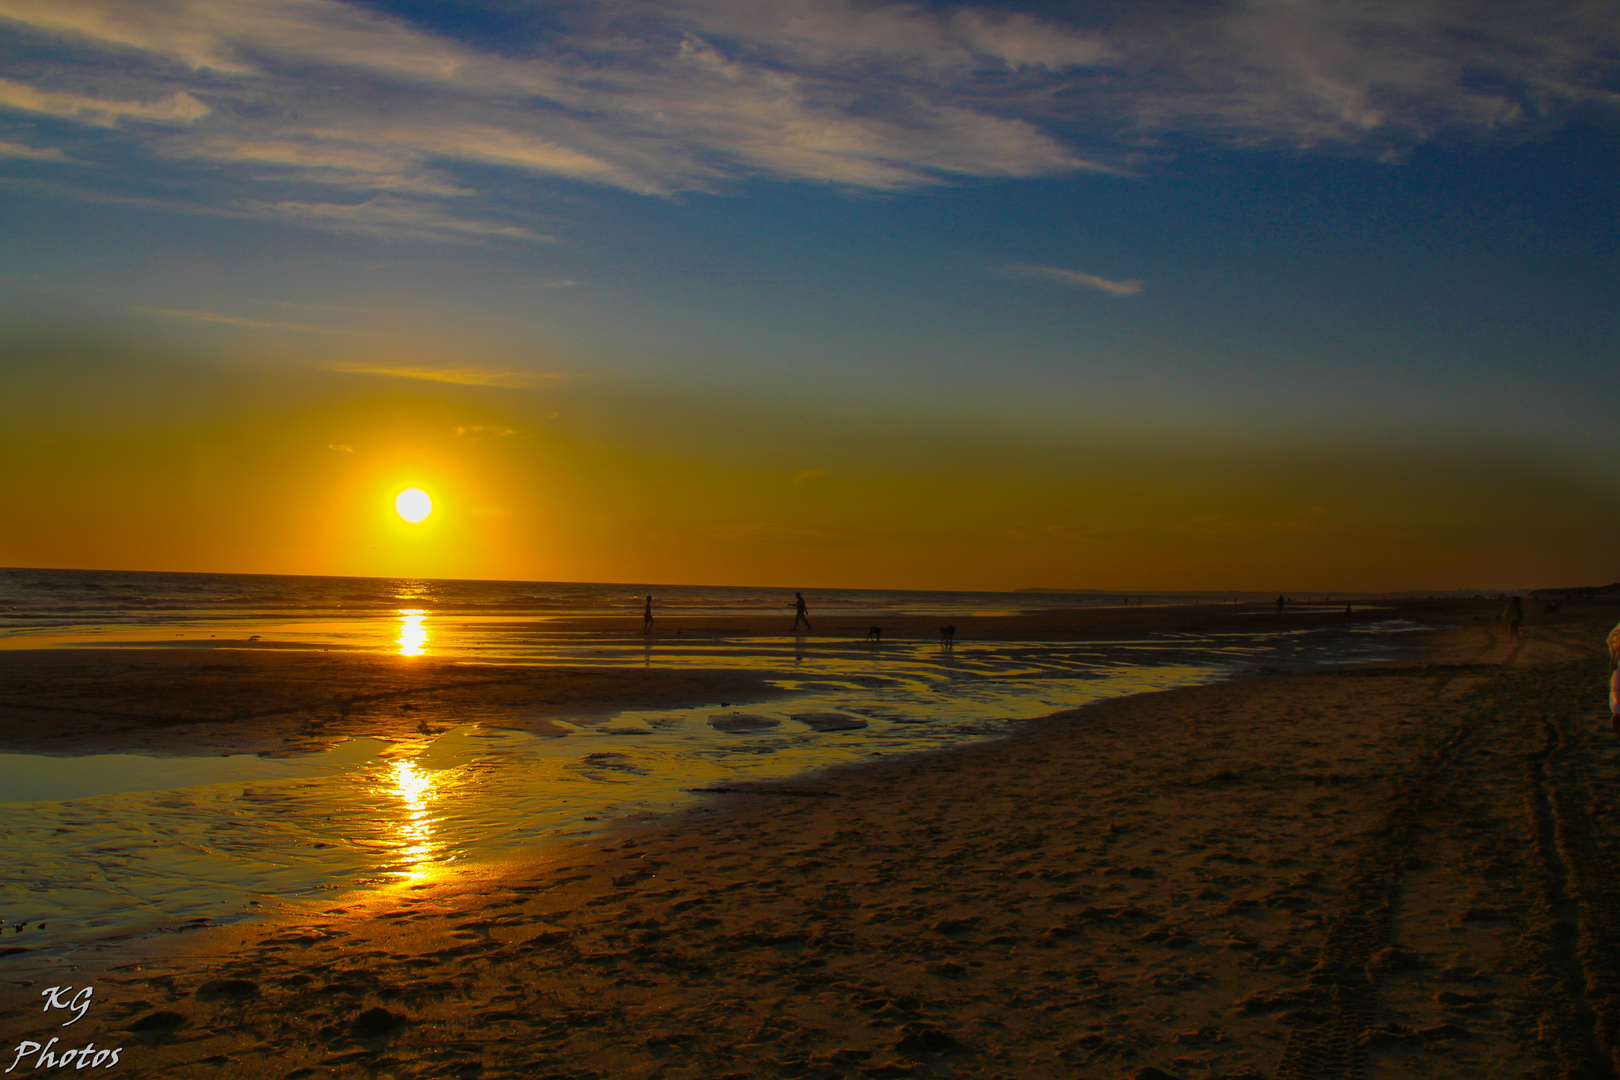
1403,870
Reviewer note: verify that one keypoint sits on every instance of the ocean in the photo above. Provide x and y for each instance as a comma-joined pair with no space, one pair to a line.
40,599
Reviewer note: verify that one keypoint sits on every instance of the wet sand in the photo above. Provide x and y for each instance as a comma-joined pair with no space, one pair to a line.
251,700
1396,870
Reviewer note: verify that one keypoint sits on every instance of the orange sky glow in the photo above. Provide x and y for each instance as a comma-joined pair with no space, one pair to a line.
289,468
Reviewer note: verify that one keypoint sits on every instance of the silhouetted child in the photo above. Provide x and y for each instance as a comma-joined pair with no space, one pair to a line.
646,617
800,614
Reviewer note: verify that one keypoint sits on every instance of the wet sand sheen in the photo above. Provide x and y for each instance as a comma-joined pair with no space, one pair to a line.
371,774
1295,876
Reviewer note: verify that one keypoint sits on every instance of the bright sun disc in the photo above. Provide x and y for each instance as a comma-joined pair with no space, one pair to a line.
413,504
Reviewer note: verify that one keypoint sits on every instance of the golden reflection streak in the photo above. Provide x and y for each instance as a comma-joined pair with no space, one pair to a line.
416,789
413,636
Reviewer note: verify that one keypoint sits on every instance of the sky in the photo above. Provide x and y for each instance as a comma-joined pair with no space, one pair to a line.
1277,294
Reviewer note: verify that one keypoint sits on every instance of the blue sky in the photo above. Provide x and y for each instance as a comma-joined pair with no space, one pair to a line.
829,230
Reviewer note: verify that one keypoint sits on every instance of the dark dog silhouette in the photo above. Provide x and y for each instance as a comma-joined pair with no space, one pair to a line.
947,634
875,634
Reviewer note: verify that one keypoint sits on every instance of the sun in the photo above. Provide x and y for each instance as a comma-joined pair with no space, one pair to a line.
413,505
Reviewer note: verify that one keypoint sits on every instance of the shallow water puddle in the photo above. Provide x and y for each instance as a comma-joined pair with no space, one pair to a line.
39,778
117,843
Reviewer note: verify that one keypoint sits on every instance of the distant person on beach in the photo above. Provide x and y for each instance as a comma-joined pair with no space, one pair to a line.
800,613
1614,677
646,617
1281,603
1513,615
1347,611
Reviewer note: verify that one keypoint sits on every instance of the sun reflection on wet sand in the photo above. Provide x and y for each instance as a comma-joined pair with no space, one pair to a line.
416,788
390,816
413,636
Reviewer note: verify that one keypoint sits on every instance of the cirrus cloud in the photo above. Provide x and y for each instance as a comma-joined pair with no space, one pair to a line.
303,96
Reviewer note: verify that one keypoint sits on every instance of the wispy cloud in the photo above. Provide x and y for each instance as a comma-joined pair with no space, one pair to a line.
383,216
659,97
389,216
216,318
178,107
517,380
17,150
330,161
342,448
1076,278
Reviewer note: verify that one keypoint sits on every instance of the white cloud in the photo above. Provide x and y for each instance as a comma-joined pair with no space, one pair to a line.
1076,278
175,108
672,111
1374,73
695,94
224,35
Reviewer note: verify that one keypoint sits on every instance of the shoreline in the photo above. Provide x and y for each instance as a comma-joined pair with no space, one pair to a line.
285,697
1058,902
1059,624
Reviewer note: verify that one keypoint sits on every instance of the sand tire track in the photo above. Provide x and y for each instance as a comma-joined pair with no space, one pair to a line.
1581,899
1334,1046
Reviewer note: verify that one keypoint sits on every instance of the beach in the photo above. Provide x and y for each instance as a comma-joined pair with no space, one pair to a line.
821,540
1394,869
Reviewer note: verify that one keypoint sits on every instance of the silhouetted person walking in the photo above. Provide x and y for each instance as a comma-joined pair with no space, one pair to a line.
1513,615
800,614
1281,603
646,617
